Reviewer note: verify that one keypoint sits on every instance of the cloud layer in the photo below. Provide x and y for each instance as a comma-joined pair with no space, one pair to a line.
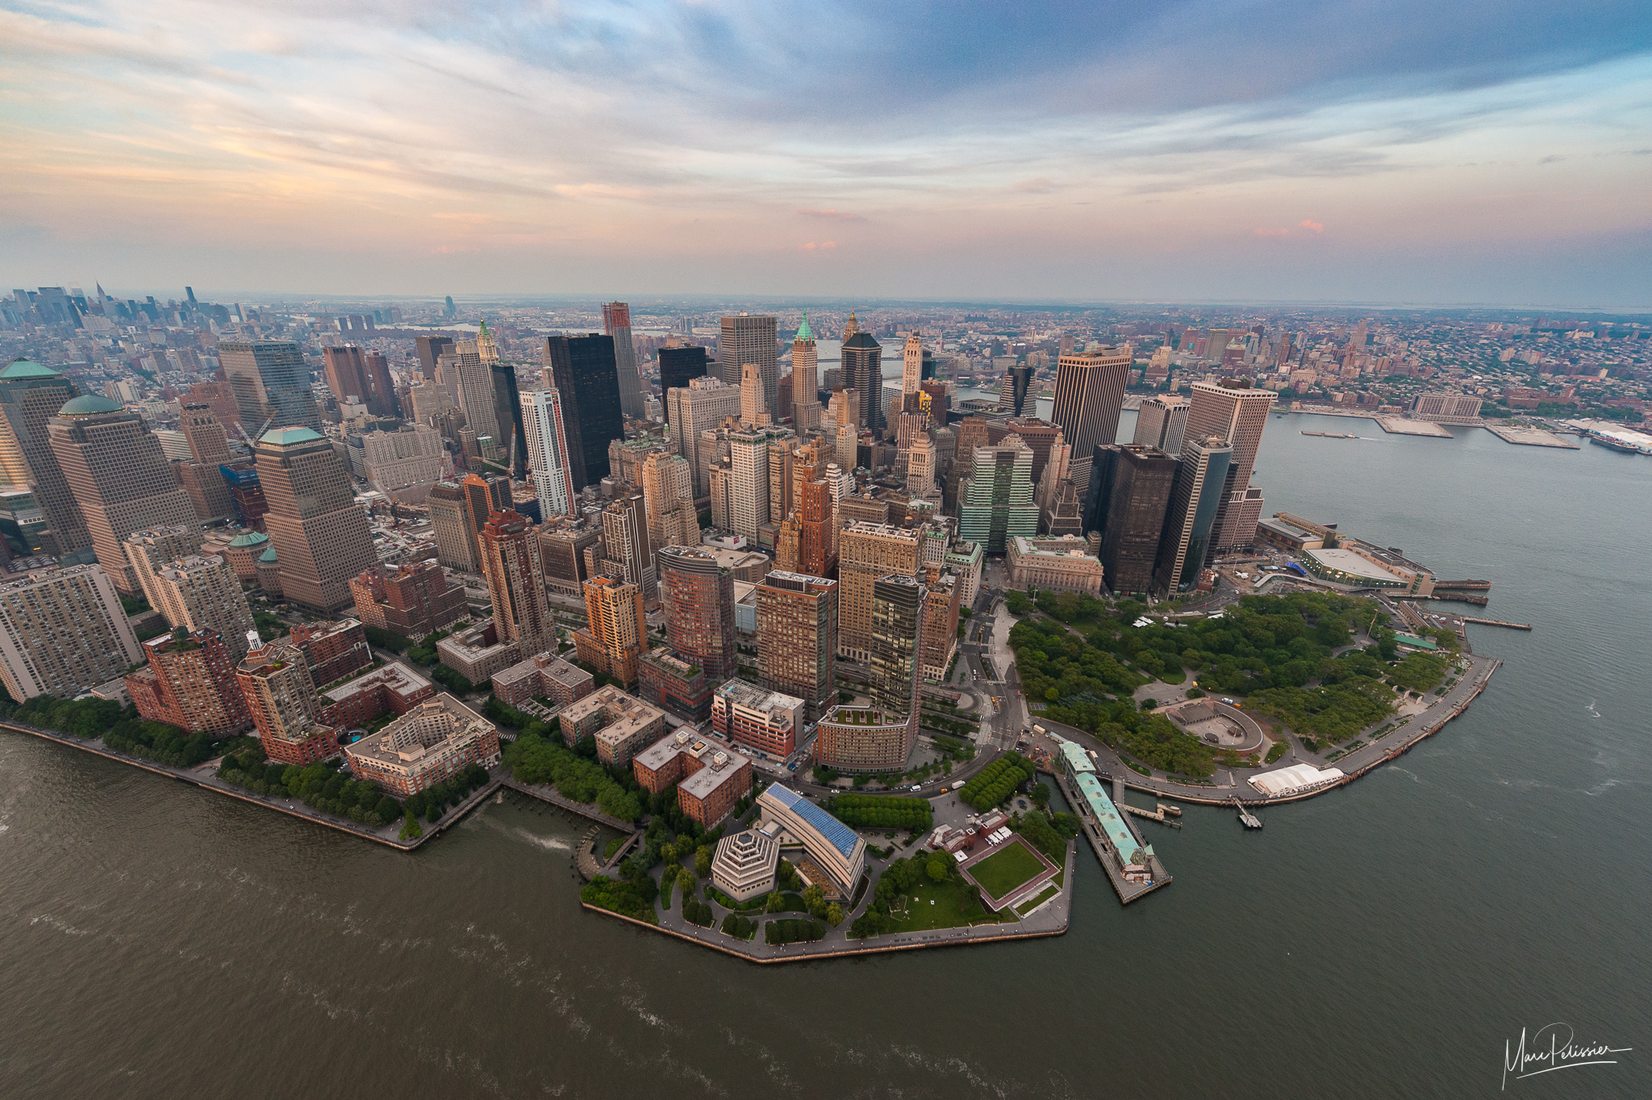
1341,149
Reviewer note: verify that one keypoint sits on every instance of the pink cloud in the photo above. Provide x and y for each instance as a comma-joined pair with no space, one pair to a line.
817,246
1312,226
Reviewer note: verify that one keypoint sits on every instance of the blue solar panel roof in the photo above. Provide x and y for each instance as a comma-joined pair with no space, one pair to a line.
837,834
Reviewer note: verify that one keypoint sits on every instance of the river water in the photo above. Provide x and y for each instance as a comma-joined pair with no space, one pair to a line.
1382,940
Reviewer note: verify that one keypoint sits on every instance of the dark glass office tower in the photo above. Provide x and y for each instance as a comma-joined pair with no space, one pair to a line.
677,366
582,369
271,382
429,347
1133,523
507,411
863,373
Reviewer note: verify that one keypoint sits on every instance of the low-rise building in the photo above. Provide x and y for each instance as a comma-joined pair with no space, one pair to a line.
394,689
621,724
831,845
678,685
711,777
757,718
559,680
863,739
744,865
411,600
1062,564
476,654
433,742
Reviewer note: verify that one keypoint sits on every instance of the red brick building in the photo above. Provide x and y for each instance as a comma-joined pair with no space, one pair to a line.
333,650
711,778
190,683
672,682
412,600
393,689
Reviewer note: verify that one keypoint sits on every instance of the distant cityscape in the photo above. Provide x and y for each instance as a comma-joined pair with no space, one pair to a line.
375,557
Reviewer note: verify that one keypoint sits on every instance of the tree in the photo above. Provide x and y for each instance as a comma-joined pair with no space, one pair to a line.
775,902
814,899
702,860
834,914
936,868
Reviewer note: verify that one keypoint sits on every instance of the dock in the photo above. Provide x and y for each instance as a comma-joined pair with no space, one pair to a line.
1246,818
1162,813
1496,622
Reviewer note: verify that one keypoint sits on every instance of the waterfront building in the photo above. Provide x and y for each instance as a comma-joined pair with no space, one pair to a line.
831,845
671,681
62,632
30,395
430,744
582,370
282,699
392,689
333,649
768,721
201,592
320,534
995,500
797,628
271,383
620,724
515,576
1131,513
119,479
677,366
1237,414
750,338
1161,422
189,682
1062,564
1190,522
1089,395
1447,408
699,608
410,600
612,641
710,777
744,865
867,551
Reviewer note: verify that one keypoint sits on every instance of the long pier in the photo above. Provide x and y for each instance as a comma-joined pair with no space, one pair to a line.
1497,622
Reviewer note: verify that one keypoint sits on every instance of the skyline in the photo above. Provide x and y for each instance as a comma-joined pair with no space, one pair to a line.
1293,153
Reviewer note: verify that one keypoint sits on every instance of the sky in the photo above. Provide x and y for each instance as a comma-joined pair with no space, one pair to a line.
1471,151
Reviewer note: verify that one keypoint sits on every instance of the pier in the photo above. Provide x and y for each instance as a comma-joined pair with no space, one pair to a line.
1497,622
1246,818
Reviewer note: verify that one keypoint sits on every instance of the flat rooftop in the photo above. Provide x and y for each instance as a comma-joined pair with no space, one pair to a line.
1346,561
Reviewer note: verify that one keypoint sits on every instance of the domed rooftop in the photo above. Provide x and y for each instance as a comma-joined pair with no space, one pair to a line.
28,368
249,538
268,555
285,437
90,404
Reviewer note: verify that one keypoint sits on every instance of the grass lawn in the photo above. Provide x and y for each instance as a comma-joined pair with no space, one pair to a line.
1004,870
950,904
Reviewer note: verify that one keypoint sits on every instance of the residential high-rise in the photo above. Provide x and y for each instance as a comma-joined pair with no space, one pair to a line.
516,583
698,596
547,451
319,533
867,551
805,388
668,501
271,384
1237,414
118,477
1089,394
863,373
1161,422
938,639
612,640
912,363
62,632
30,395
190,683
581,369
1138,499
748,338
694,409
616,322
281,697
995,499
627,552
1196,496
202,592
148,550
677,366
797,628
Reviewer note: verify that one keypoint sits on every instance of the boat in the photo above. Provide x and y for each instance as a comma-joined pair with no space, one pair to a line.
1333,435
1625,446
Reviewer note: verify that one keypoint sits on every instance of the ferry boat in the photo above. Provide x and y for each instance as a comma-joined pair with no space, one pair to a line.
1332,435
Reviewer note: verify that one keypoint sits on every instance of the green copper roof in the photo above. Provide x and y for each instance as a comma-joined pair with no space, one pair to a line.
482,329
249,538
285,437
803,332
268,555
28,368
90,404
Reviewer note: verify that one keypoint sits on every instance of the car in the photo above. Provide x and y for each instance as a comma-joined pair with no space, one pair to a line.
1226,700
917,787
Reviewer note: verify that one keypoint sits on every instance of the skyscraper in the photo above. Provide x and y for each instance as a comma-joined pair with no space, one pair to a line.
507,414
615,632
1089,394
455,541
698,597
797,627
897,622
581,368
318,531
912,364
516,583
703,404
867,551
1161,423
754,410
428,349
119,479
1195,498
30,395
1237,414
271,383
345,368
677,366
473,385
863,373
201,592
668,501
281,697
546,436
749,482
995,499
209,449
62,631
817,529
627,552
747,338
1137,502
616,322
805,388
1012,394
